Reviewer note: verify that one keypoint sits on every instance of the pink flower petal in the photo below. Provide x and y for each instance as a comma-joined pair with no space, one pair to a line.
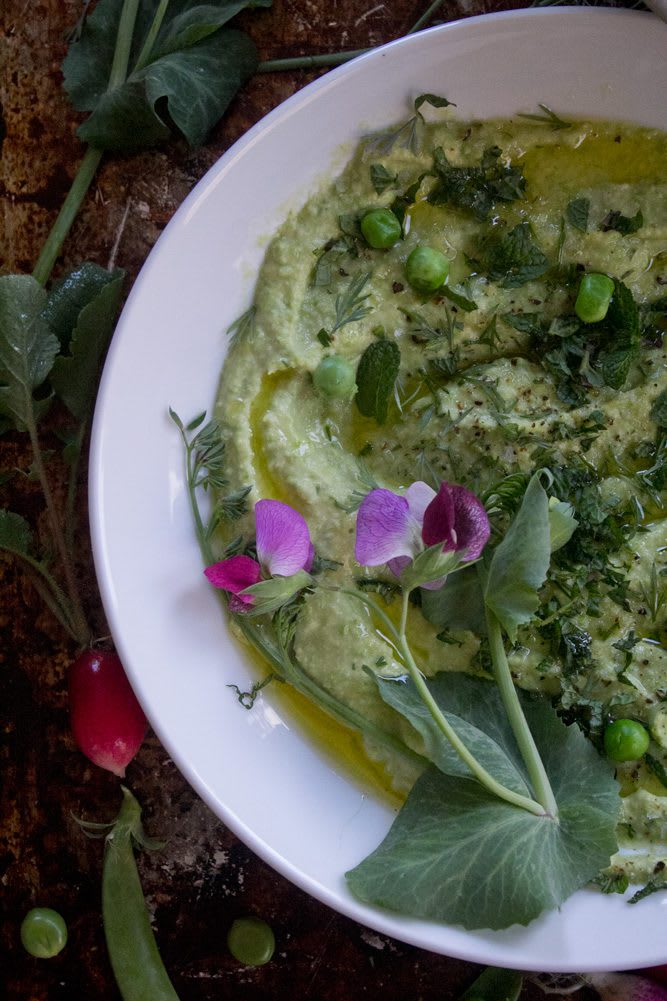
458,519
234,575
283,539
385,529
398,564
419,495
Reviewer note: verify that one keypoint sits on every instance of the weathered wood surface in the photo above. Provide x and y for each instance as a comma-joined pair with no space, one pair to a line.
204,877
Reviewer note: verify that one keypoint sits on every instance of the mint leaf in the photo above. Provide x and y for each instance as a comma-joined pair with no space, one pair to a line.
514,259
376,375
577,212
623,329
622,223
519,564
456,854
457,605
186,83
476,189
27,349
467,305
381,178
75,376
475,711
659,410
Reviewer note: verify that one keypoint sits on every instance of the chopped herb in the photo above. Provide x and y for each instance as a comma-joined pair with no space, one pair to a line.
459,300
657,768
381,178
577,212
659,410
243,326
247,699
622,223
476,189
324,337
490,335
514,259
615,882
548,117
376,377
350,304
653,886
408,135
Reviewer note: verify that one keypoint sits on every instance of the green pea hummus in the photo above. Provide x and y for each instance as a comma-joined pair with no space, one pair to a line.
498,377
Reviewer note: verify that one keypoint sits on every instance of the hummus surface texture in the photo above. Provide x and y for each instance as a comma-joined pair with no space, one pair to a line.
497,379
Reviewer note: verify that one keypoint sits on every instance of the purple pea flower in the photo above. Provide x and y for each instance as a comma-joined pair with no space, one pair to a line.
283,548
394,528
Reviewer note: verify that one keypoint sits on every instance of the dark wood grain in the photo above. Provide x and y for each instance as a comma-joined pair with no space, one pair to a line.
204,877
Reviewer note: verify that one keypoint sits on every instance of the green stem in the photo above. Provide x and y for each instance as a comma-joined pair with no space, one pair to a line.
426,16
72,486
92,156
480,773
309,62
336,58
524,738
147,47
78,619
50,593
67,215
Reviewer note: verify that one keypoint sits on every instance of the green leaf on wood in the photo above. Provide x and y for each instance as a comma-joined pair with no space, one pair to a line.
28,348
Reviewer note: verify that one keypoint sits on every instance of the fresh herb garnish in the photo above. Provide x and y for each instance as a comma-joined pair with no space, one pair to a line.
476,189
623,224
577,213
350,304
381,178
514,259
548,117
406,136
376,375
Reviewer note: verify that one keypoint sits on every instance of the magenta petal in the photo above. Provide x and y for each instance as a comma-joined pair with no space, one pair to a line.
458,519
439,520
283,539
234,575
471,521
385,529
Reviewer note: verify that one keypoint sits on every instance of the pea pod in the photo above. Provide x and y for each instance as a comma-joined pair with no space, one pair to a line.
137,966
494,984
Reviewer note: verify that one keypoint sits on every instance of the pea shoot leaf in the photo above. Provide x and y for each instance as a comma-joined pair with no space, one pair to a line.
519,564
457,605
457,854
474,709
74,375
185,81
27,349
376,376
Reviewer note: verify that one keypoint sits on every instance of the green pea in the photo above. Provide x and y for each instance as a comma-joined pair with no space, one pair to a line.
625,740
251,941
381,229
43,932
335,377
426,269
594,297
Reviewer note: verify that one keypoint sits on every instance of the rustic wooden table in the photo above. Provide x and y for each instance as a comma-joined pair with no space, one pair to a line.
204,877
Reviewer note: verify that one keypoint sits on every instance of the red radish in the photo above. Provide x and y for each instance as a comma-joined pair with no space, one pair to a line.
107,722
625,986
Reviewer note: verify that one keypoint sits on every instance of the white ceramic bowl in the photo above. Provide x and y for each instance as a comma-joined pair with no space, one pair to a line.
293,806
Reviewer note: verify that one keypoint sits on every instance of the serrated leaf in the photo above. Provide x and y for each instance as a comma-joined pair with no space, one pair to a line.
520,562
577,213
28,348
457,605
15,533
474,709
70,294
514,259
74,376
376,375
457,854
